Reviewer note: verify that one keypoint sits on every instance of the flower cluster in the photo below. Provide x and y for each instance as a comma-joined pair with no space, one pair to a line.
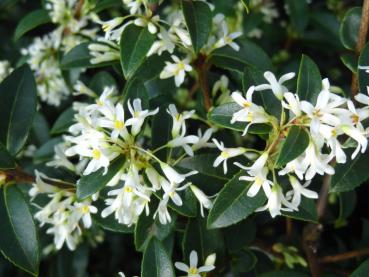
43,55
5,69
103,135
329,121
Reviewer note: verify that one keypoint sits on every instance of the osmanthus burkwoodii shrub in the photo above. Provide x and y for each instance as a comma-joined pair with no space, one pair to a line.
172,127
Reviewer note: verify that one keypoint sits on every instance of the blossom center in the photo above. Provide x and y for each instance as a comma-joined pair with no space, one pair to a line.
246,104
193,270
118,124
96,154
258,181
224,154
128,189
85,209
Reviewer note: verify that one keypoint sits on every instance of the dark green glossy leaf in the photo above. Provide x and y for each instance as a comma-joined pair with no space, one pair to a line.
362,270
101,80
189,206
46,151
307,211
222,116
111,224
349,28
198,19
151,67
362,75
18,240
161,131
18,107
147,227
299,14
135,89
156,261
106,4
240,235
295,144
350,60
243,261
92,183
233,205
249,54
202,240
63,122
31,21
135,43
352,174
6,160
309,81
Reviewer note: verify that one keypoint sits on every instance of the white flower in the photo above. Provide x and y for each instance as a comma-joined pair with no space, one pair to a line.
177,69
275,201
170,191
364,67
299,190
5,69
40,186
178,120
164,44
226,154
192,270
115,121
174,176
150,21
227,38
297,166
184,142
276,86
259,179
204,200
363,98
316,162
85,210
356,134
258,166
293,103
203,139
162,211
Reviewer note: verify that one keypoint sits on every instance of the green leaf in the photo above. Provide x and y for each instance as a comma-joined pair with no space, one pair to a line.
309,81
40,132
362,75
243,261
299,14
31,21
189,206
156,261
352,174
135,43
101,80
233,205
151,67
249,54
350,60
109,223
222,116
18,240
106,4
240,235
295,144
79,56
63,122
46,151
135,89
362,270
147,227
161,128
6,160
198,19
202,240
349,28
307,211
92,183
18,106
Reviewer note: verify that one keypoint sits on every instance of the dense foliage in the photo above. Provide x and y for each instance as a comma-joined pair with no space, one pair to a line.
197,138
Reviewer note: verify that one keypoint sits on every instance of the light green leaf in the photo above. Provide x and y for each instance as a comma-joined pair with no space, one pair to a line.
147,227
63,122
6,160
349,28
309,81
156,261
18,108
135,43
352,174
233,205
92,183
18,240
296,142
198,19
31,21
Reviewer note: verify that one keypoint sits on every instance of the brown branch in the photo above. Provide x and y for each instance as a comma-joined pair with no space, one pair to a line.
202,70
363,32
19,176
344,256
78,10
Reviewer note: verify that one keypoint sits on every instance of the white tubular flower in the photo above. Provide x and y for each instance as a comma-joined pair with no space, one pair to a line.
225,154
100,159
276,86
330,134
150,21
275,201
103,52
174,176
115,122
299,190
203,139
138,115
184,141
358,136
227,38
40,186
258,179
5,70
296,166
292,103
164,44
177,69
363,98
85,209
364,67
192,270
257,166
154,177
178,120
170,191
316,162
178,28
203,199
81,89
162,212
250,112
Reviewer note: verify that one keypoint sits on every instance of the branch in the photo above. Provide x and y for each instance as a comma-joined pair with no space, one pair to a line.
344,256
202,69
363,32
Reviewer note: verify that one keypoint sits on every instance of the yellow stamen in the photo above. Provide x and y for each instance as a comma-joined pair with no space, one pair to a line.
118,124
193,270
128,189
96,154
224,154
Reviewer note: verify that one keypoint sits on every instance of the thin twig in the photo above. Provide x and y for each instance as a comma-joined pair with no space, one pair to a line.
202,70
344,256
